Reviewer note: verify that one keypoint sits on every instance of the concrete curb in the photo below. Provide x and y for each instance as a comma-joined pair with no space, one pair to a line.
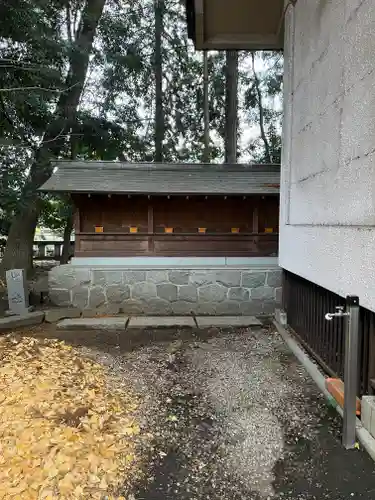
30,319
364,437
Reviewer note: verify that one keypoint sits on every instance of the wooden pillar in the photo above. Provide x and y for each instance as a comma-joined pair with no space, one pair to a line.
41,250
150,227
57,251
256,219
256,225
77,229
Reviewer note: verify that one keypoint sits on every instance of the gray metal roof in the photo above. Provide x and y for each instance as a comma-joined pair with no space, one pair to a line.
154,178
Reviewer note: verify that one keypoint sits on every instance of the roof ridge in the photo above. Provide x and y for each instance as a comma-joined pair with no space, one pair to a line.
65,164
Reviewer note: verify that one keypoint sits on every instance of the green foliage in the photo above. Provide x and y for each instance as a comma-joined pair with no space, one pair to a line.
55,213
115,119
262,105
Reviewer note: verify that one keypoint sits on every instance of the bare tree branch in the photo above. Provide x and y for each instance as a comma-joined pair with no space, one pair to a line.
20,89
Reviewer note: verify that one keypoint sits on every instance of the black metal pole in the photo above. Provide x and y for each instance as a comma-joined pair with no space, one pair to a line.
351,371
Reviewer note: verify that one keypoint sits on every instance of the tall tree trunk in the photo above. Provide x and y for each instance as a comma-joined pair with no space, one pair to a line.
263,135
18,251
231,106
206,111
158,70
65,254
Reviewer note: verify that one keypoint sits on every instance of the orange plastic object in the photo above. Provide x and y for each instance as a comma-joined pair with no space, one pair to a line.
133,229
235,229
168,230
335,386
99,229
201,229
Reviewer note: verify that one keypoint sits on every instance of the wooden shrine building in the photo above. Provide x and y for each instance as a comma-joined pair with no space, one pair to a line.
171,210
164,216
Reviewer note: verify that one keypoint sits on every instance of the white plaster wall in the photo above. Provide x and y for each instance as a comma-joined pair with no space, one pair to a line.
327,226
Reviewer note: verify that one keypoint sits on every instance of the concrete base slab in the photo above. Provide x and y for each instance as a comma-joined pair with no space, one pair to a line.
54,315
162,322
28,310
368,414
227,321
116,323
29,319
281,317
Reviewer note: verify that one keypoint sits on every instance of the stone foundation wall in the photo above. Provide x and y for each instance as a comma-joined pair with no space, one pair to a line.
163,292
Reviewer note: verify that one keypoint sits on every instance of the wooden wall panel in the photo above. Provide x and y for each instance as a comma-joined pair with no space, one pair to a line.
112,245
117,213
204,245
269,214
216,214
177,245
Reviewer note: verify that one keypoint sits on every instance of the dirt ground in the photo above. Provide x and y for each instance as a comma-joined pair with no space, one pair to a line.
234,416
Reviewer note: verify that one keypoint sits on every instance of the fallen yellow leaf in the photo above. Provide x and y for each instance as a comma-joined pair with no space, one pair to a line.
62,431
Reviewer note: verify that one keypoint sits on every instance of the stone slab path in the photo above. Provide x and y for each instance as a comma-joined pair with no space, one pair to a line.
162,322
145,322
227,321
29,319
112,323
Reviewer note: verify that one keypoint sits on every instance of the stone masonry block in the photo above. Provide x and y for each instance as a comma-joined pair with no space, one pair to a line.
263,293
212,293
117,293
274,278
205,308
183,307
268,306
238,294
200,278
132,306
58,313
143,290
253,307
110,309
104,310
80,297
167,292
179,277
96,297
108,278
229,278
157,276
60,297
229,307
131,277
188,293
253,279
68,276
157,306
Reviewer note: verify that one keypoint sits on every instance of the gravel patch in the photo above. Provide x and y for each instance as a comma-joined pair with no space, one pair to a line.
234,416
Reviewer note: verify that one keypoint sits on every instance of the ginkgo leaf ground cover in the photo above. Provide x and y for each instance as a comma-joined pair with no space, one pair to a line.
64,434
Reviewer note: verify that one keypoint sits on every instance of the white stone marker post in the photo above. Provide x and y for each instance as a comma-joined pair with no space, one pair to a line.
18,294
